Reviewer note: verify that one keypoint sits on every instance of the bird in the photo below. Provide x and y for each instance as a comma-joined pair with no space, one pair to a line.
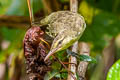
65,27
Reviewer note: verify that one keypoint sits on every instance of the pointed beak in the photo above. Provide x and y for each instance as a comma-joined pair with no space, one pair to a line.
53,51
50,53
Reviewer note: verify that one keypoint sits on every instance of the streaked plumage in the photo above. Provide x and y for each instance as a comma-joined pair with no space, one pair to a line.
65,27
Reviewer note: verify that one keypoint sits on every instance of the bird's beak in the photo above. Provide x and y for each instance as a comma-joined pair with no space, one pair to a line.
53,51
50,53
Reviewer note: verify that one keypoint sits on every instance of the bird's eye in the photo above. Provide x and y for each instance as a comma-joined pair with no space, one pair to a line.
60,42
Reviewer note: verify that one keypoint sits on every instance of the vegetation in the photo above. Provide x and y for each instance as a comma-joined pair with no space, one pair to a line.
102,34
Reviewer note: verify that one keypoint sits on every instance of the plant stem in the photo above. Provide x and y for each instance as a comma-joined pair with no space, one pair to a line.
74,5
30,11
21,22
72,67
82,67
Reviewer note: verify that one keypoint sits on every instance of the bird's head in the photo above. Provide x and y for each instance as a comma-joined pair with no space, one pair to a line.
60,43
67,37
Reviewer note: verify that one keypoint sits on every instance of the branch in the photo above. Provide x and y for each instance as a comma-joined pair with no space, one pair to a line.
3,70
14,21
72,67
47,6
74,5
109,53
82,67
51,6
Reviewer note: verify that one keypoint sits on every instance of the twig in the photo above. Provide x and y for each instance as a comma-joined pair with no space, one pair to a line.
72,67
74,5
109,56
81,70
14,21
50,6
47,6
69,72
30,11
3,70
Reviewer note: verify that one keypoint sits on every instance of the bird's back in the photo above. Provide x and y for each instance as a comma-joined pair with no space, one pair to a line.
65,20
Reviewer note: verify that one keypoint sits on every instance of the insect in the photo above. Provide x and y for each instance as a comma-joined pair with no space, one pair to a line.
35,49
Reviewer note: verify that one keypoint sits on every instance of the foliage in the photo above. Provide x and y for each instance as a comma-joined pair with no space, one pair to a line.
103,24
81,57
50,75
114,72
103,27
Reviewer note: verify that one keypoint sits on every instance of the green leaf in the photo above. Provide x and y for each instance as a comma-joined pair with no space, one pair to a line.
114,72
50,75
61,55
81,57
56,66
78,78
86,58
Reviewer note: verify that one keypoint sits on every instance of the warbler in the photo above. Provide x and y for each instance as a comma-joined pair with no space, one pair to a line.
65,27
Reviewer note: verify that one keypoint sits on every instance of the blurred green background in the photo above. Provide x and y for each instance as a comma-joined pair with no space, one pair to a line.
102,33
